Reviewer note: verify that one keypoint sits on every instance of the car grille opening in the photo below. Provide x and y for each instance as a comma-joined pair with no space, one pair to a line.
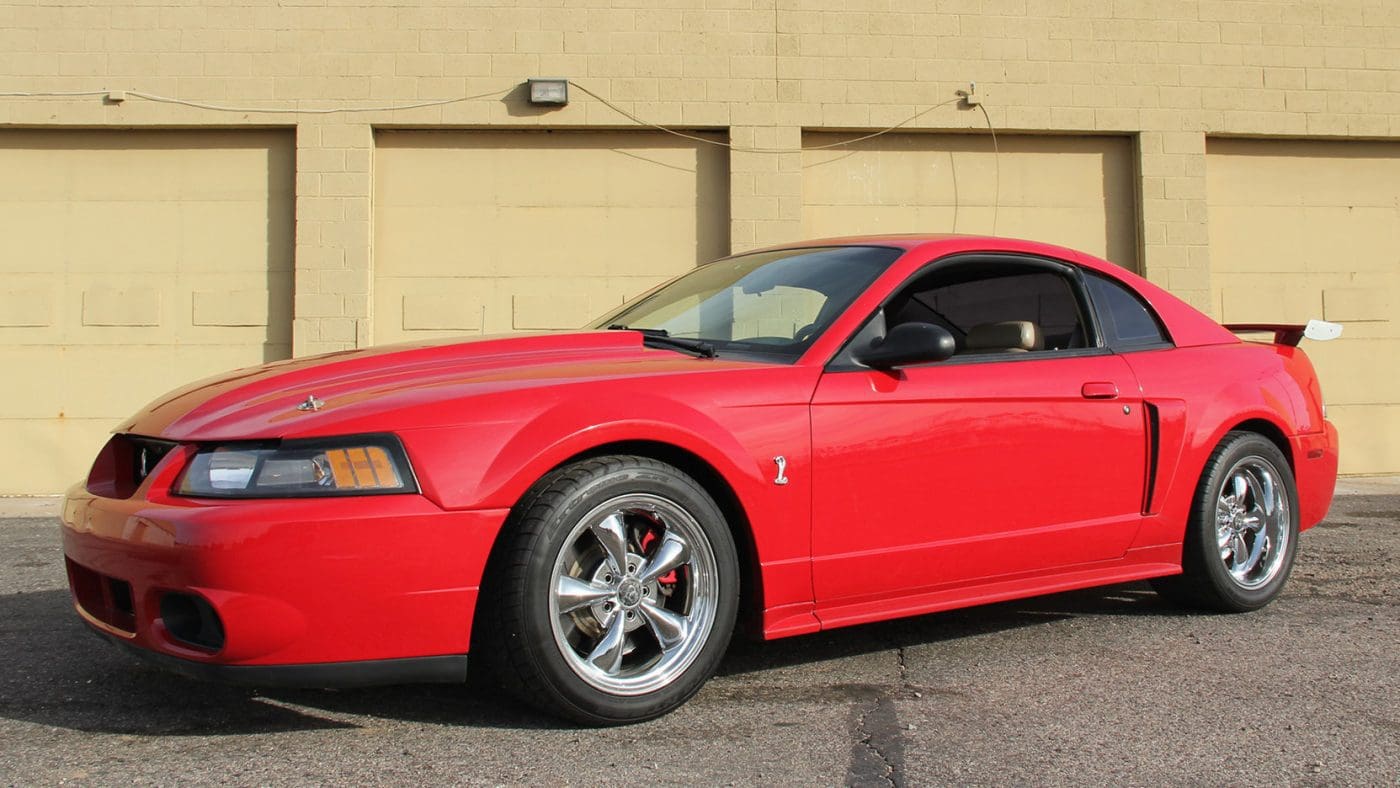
124,463
106,599
191,620
146,453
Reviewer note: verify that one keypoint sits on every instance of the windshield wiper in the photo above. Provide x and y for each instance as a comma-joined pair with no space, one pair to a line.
660,337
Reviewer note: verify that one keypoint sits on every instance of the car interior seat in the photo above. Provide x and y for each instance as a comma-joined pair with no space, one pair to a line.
1008,336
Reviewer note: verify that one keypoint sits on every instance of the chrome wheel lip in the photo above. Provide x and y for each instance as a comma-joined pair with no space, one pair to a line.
701,586
1253,523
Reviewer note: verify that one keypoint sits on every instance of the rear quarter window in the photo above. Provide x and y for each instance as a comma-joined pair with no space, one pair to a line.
1126,320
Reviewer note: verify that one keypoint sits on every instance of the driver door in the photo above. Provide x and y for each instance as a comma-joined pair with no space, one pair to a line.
992,465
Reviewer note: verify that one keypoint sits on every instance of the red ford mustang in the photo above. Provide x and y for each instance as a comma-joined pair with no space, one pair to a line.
800,438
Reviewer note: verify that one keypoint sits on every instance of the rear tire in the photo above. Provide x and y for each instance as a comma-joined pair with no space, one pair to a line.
1243,531
614,596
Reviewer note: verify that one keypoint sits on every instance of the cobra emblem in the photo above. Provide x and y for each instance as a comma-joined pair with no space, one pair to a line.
312,403
781,478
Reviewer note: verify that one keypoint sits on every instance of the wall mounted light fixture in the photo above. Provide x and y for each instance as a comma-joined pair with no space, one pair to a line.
548,92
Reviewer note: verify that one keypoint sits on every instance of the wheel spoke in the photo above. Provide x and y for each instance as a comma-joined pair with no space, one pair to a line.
607,655
1240,487
1267,497
1223,537
612,534
1224,505
1239,552
572,594
1260,489
1256,552
670,628
671,553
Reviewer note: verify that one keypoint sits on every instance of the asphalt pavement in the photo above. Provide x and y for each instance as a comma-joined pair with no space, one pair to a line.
1105,686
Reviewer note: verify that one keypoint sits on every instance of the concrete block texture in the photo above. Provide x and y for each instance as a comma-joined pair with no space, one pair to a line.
300,178
139,261
1305,229
536,230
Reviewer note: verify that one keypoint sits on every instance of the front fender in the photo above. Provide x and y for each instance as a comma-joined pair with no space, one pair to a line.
736,429
562,432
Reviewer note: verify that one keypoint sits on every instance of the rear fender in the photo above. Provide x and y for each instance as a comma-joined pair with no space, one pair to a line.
1206,426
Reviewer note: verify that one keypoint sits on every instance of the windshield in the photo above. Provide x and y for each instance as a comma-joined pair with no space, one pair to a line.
767,303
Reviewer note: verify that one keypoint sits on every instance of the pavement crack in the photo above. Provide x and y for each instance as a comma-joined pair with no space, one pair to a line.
877,756
870,762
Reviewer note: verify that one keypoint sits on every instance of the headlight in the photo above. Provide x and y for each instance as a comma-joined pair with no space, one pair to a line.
358,465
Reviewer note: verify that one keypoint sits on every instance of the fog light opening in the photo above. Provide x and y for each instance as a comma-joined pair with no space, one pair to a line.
192,621
122,603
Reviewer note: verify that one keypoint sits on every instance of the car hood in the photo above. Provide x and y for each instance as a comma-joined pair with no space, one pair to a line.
276,400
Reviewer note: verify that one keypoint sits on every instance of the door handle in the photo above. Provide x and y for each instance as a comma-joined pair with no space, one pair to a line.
1099,390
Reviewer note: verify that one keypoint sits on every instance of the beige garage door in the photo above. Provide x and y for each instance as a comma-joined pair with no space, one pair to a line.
1072,191
492,232
133,262
1305,229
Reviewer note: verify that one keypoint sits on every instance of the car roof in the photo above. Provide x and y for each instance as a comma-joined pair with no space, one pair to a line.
947,243
898,240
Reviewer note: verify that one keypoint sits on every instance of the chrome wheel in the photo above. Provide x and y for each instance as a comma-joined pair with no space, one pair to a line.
1252,522
633,594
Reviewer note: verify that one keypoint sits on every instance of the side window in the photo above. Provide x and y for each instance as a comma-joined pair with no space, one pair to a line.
1126,320
997,309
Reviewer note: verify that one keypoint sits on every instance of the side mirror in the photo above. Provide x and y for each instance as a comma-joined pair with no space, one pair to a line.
909,343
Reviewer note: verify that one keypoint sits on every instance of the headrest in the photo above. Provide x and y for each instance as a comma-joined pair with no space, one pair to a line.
1012,335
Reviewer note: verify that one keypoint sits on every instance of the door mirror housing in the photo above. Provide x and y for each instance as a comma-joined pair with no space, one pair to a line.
909,343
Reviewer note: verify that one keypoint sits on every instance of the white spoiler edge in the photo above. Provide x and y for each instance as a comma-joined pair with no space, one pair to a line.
1291,333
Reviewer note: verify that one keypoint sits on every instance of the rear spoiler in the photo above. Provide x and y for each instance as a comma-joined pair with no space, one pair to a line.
1290,333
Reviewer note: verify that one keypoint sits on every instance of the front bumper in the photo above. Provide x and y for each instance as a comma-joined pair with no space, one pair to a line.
316,591
448,669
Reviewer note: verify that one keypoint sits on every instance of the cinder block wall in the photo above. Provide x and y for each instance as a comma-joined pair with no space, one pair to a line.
1167,73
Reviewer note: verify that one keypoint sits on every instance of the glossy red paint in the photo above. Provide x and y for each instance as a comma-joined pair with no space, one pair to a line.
927,488
294,581
961,439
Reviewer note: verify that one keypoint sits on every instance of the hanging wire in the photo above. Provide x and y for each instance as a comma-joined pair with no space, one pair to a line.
996,167
747,149
258,110
52,93
156,97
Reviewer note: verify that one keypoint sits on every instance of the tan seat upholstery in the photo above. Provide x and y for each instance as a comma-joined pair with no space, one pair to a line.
1010,336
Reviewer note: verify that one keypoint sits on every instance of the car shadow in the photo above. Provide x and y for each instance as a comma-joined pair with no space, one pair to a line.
58,674
1134,599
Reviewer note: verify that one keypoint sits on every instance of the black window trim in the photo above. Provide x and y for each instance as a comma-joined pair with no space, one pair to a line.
1121,347
843,360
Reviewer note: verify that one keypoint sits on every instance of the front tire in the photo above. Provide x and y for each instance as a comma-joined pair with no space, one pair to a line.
615,596
1243,531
